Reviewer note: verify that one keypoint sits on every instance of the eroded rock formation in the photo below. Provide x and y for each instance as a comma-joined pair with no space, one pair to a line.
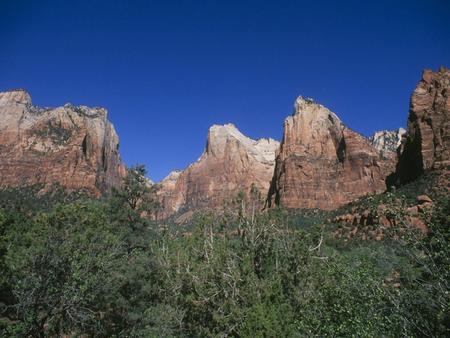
322,163
231,163
75,147
427,143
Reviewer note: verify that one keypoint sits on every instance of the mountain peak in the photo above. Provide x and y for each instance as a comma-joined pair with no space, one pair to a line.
314,111
301,103
231,163
222,136
224,130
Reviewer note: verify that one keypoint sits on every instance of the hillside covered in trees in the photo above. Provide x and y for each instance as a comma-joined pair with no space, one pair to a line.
102,268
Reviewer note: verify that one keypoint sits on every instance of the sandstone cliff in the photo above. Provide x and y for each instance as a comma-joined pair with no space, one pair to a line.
322,163
231,163
75,147
427,143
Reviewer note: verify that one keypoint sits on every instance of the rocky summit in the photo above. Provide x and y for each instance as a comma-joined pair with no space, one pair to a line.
231,163
427,143
75,147
322,163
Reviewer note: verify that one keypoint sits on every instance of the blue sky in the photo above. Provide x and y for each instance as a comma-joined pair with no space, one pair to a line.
167,70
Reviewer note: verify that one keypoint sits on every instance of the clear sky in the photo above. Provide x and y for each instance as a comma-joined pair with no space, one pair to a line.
167,70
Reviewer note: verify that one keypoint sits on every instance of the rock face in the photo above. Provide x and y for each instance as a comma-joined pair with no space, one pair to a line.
322,163
387,141
231,163
427,143
75,147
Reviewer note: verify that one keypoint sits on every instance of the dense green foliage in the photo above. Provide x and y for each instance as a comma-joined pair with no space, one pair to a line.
99,269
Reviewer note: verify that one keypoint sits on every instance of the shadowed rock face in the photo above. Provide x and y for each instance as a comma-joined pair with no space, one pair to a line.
231,163
427,142
75,147
322,163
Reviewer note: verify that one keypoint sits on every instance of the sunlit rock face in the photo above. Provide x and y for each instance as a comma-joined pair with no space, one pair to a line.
322,163
231,163
75,147
387,141
426,145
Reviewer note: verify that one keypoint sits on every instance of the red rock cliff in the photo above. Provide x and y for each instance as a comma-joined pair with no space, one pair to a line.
427,143
231,163
75,147
322,163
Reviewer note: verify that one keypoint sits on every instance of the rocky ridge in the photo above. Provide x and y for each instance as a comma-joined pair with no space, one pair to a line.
321,163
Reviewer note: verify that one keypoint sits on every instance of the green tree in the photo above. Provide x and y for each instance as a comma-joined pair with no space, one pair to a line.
135,199
63,271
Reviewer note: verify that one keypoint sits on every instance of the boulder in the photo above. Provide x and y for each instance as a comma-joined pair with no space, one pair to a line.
422,199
